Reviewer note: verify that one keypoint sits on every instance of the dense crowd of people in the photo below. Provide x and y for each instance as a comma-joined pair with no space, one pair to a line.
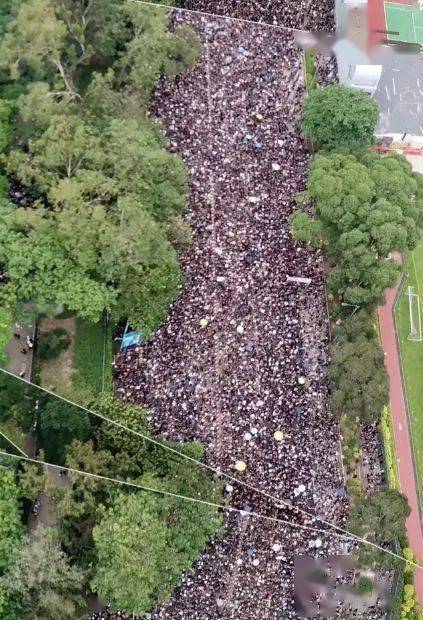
241,362
372,459
302,15
243,353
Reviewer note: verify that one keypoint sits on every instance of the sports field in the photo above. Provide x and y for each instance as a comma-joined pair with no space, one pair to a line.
412,353
405,20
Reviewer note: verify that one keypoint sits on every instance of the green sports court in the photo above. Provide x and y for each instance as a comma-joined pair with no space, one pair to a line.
406,20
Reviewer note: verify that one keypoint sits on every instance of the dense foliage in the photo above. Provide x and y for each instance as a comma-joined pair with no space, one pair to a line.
5,332
88,507
379,517
51,344
100,234
40,583
339,116
17,401
357,371
365,208
60,424
359,207
170,532
11,528
165,536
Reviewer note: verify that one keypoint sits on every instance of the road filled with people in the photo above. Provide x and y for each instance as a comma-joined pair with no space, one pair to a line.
304,15
241,362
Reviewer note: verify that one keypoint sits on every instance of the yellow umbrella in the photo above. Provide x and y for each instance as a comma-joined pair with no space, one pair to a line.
240,465
203,322
279,436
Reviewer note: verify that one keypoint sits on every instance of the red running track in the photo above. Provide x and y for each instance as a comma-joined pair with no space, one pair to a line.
401,430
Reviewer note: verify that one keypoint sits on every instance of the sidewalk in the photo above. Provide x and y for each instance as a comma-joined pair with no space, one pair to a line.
19,362
401,430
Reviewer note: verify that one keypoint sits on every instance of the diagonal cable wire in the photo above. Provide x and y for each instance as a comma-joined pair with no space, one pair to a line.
278,502
195,500
13,444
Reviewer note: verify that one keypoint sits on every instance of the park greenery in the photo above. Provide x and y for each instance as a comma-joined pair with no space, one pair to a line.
337,116
99,228
103,227
379,517
357,372
126,545
366,207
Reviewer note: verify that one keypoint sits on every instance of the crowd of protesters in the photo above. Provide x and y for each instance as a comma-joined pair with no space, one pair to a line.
303,15
241,362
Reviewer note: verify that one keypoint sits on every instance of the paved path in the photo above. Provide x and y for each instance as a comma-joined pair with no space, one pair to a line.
19,363
401,430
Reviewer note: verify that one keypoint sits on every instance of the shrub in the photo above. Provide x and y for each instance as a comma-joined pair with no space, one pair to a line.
339,116
52,343
364,585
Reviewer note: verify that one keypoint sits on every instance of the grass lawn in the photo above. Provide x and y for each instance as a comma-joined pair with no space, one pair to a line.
92,357
83,370
412,354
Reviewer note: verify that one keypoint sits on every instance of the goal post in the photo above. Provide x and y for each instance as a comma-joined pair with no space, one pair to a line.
415,315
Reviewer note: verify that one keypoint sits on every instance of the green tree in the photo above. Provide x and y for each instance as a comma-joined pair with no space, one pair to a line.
35,40
359,325
133,455
17,401
32,479
40,581
379,517
109,191
364,586
165,536
41,271
78,505
359,382
153,50
6,129
339,116
130,449
60,423
11,529
365,209
8,11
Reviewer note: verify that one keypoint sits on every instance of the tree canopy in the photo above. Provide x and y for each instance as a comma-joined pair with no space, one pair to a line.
356,326
165,537
100,234
339,116
365,209
40,583
11,529
379,517
5,332
60,424
359,383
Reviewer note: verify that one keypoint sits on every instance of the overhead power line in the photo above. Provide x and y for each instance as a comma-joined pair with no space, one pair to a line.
195,500
278,502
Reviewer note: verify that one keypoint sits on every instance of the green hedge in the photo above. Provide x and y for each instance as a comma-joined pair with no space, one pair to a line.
387,432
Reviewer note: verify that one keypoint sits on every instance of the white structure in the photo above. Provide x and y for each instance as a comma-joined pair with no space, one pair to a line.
415,316
364,77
